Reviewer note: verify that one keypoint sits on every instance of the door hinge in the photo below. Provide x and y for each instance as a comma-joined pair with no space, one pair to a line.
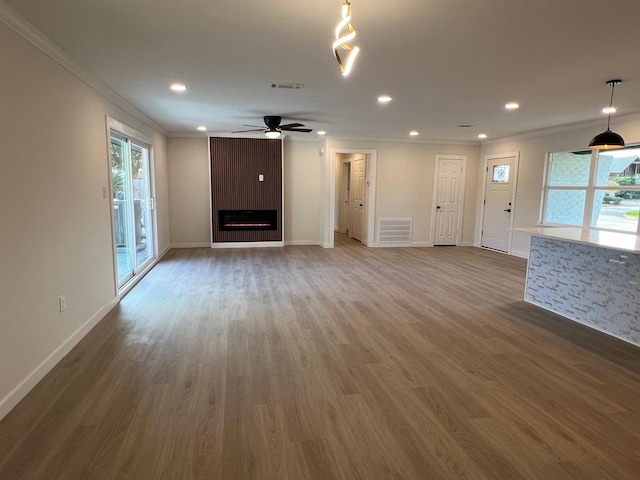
152,203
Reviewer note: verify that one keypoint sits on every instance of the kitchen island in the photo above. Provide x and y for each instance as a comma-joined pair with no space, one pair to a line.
591,277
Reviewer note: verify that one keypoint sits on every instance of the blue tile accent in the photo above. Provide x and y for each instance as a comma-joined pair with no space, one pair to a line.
591,285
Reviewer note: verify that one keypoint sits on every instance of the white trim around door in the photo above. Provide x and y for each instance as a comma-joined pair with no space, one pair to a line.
370,193
459,195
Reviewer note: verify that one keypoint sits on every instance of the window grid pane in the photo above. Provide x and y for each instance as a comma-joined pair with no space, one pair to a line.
569,169
612,211
565,206
619,168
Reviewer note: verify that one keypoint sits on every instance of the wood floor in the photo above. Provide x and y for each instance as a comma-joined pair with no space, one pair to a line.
353,363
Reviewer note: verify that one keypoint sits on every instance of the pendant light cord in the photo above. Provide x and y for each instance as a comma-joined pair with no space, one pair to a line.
613,86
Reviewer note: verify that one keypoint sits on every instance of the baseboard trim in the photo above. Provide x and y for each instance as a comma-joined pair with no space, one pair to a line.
247,244
518,253
401,245
303,242
190,245
17,394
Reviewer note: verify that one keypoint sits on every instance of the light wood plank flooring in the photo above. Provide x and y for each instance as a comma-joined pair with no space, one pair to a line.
353,363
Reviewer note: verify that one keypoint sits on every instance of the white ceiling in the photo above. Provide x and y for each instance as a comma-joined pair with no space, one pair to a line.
444,62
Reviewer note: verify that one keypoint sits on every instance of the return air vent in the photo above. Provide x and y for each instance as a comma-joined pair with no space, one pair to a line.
287,86
394,229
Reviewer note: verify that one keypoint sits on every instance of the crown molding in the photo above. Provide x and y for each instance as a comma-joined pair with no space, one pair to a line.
29,32
571,127
418,141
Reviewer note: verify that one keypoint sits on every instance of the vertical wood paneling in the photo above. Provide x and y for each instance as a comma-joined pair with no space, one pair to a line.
236,164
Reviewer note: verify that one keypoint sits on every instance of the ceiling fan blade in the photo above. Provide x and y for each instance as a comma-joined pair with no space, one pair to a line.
303,130
253,126
291,125
254,130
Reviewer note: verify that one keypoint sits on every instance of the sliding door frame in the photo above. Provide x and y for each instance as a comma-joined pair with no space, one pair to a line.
137,138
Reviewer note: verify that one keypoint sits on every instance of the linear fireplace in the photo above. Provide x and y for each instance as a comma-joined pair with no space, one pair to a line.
230,220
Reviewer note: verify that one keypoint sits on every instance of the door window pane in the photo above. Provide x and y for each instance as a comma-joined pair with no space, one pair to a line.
500,174
141,201
121,216
565,206
568,169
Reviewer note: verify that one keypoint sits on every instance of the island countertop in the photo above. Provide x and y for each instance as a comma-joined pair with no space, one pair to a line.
625,242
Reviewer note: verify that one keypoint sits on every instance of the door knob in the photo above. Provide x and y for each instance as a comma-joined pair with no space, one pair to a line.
438,207
507,210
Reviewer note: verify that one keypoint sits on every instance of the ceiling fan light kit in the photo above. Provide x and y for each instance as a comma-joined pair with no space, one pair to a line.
274,127
608,140
272,133
345,33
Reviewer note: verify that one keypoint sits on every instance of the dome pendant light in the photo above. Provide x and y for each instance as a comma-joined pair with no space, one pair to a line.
608,140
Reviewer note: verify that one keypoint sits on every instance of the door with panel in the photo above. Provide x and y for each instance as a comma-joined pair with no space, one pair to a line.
499,202
449,193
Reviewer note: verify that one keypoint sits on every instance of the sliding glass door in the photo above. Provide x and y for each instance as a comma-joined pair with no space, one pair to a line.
132,205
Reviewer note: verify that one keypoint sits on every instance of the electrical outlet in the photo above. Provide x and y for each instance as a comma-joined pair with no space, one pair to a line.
62,302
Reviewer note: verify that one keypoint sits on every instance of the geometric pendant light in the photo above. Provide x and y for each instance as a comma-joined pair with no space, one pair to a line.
343,41
608,140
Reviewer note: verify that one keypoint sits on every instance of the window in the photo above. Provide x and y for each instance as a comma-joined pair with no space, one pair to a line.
593,190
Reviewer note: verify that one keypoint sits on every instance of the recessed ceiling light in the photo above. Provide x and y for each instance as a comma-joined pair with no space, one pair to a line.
609,110
512,106
384,98
414,133
178,87
321,132
482,136
202,128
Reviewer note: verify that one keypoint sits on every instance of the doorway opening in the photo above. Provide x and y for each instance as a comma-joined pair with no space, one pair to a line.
354,200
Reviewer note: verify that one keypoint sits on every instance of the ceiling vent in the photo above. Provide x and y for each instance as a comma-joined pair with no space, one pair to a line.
287,86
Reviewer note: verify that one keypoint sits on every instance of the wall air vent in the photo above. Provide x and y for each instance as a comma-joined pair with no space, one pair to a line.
394,230
287,86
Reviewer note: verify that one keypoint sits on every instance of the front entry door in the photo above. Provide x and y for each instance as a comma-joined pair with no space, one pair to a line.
449,197
501,175
357,197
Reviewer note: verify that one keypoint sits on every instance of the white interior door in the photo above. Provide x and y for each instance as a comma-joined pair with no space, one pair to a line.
345,198
449,197
499,199
357,197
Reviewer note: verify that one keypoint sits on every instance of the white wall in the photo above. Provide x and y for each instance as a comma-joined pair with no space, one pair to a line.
533,151
55,225
303,192
405,176
189,191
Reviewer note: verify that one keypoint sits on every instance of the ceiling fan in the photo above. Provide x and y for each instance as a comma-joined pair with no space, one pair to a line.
274,128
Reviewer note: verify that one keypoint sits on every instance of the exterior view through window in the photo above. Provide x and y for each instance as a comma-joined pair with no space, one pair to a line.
593,190
132,205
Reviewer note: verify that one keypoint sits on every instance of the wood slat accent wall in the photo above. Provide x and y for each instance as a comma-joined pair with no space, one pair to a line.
236,164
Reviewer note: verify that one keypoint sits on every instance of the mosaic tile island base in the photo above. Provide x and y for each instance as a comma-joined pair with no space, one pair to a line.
593,285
